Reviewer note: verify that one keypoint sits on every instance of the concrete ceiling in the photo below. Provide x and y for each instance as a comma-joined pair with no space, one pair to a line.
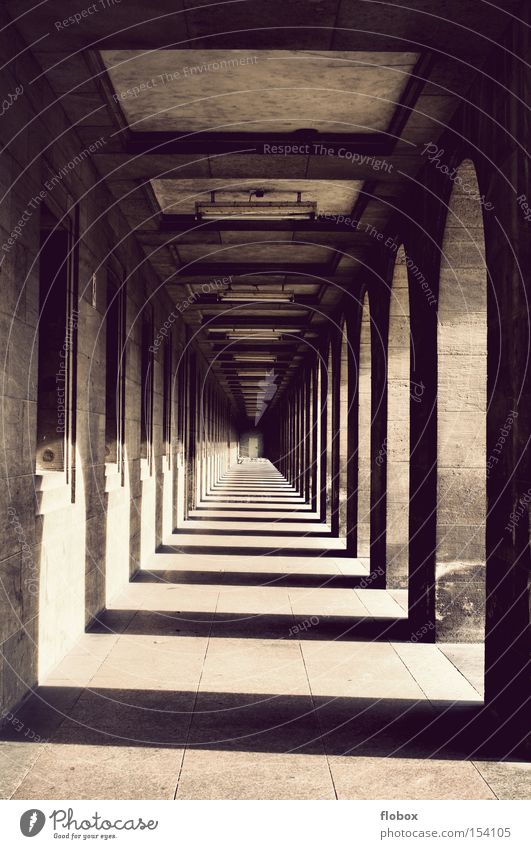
357,87
265,91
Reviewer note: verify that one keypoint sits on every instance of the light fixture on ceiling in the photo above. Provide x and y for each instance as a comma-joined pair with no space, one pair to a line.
270,337
256,210
248,297
257,332
254,358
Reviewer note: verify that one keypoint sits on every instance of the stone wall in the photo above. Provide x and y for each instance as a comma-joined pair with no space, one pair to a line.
70,542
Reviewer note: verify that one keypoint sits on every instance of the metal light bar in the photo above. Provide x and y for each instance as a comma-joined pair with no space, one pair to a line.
249,297
244,331
248,334
257,210
258,331
254,358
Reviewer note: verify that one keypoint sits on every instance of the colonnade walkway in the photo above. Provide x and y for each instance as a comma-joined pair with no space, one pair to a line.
252,659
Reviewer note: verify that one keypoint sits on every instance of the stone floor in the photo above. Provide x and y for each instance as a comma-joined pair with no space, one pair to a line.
252,661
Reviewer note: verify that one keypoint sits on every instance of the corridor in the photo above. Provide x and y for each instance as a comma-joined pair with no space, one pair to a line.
235,666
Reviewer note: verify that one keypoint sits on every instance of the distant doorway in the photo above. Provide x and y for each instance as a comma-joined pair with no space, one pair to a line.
251,445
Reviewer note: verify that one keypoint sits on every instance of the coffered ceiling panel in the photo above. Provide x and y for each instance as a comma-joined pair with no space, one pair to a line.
331,196
264,91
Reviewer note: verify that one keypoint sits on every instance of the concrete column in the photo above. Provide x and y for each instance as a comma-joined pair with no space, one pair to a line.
285,449
212,441
302,476
507,629
298,432
216,440
303,436
201,437
289,444
315,437
287,439
335,446
364,432
423,446
213,447
323,448
376,439
343,435
291,440
282,452
353,338
192,446
329,433
397,439
205,439
307,437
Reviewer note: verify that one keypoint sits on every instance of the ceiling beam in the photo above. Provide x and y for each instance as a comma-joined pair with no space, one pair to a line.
298,300
178,224
298,143
414,87
227,269
118,166
264,24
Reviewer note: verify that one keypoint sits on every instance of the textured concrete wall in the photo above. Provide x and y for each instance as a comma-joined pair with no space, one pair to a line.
397,443
68,550
461,432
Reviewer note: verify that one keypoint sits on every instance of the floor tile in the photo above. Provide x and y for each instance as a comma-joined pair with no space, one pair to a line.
507,779
403,778
248,775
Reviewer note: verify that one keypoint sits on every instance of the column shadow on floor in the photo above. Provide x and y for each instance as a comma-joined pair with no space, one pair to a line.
324,534
252,579
257,626
279,521
260,722
249,551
